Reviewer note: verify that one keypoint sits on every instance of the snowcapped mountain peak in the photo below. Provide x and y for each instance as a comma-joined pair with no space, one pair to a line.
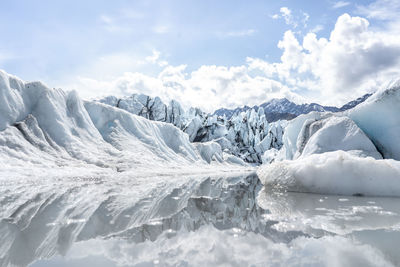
282,108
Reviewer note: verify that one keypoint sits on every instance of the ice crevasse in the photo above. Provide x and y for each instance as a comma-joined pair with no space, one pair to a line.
356,152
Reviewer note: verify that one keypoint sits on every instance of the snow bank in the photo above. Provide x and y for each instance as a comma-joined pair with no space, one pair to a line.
379,118
335,172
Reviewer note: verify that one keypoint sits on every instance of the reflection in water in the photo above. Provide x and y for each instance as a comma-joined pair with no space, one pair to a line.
223,203
69,220
369,220
342,215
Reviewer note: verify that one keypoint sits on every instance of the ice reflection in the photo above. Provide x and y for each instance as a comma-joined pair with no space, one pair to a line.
313,213
373,221
49,222
211,210
225,203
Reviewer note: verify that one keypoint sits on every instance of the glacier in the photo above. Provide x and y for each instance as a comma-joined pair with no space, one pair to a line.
336,172
354,152
135,182
247,134
377,118
50,128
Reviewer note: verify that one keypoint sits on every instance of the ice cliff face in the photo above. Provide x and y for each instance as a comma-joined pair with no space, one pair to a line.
51,128
247,134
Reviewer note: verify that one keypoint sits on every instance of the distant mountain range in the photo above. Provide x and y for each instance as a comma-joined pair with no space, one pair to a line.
283,109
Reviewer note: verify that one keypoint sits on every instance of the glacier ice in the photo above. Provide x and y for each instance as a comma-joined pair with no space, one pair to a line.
336,172
248,133
210,151
334,133
378,118
292,133
50,127
353,152
375,118
269,156
83,179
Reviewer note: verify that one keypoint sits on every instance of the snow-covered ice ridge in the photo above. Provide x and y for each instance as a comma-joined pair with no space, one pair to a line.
55,130
355,152
246,134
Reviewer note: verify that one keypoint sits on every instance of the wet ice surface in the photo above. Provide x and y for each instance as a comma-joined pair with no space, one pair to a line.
190,221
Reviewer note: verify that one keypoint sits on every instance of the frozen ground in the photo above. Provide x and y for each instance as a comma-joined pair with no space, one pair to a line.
190,220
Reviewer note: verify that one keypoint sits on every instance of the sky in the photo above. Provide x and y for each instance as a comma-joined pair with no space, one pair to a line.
208,54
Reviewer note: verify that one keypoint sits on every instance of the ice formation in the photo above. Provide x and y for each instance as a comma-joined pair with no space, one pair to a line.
53,128
333,133
83,180
354,152
246,134
336,172
378,118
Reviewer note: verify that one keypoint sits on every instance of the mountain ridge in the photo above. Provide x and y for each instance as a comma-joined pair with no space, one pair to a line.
284,109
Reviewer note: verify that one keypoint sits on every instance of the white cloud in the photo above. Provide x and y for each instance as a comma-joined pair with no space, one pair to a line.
155,59
340,4
381,9
305,19
290,19
286,13
354,60
209,87
317,28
